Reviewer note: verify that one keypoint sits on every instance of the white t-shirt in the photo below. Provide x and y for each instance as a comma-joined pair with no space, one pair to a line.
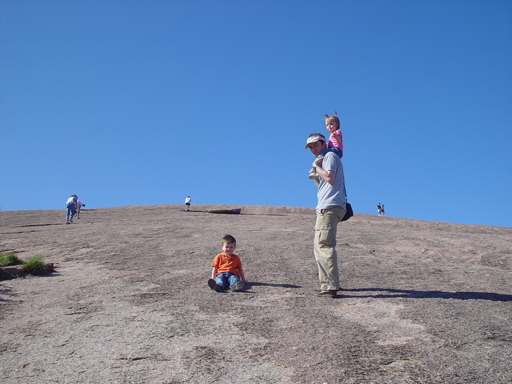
71,200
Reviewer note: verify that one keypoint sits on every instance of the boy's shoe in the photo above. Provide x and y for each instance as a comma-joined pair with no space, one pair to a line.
67,222
213,285
237,287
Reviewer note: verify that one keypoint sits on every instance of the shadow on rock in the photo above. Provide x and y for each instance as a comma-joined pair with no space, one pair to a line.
390,293
275,285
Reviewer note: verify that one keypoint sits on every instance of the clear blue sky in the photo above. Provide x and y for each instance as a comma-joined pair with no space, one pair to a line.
146,102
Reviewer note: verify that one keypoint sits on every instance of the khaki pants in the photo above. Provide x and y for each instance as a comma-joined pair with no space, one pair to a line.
325,247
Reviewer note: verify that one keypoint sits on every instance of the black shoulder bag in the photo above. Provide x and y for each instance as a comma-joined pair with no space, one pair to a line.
348,207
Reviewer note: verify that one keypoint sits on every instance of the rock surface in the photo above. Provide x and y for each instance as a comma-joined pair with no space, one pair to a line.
421,302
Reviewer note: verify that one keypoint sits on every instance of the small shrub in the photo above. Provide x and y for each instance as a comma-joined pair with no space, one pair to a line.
35,266
9,259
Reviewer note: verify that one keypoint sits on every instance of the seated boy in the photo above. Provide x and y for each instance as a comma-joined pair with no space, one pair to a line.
227,268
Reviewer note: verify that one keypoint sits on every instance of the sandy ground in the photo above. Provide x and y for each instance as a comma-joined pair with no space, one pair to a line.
422,302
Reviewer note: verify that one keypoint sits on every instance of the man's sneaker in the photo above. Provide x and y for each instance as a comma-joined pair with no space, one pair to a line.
213,285
327,293
237,287
67,222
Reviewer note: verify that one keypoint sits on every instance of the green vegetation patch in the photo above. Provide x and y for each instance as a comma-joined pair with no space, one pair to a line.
33,266
36,266
9,259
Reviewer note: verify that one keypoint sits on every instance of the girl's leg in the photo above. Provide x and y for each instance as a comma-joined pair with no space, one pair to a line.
337,151
312,171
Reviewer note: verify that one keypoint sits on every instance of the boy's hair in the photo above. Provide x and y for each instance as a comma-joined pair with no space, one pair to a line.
228,239
332,119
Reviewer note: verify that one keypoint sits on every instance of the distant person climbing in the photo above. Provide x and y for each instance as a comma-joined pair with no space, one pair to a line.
382,210
79,206
71,208
227,268
379,209
335,143
331,208
187,203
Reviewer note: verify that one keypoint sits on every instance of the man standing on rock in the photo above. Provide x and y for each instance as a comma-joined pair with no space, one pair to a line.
330,210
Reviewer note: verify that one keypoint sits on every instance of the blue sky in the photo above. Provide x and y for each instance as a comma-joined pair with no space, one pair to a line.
146,102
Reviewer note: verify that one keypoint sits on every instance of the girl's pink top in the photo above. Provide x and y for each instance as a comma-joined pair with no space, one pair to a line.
332,143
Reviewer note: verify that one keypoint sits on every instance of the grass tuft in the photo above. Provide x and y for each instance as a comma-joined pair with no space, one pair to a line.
9,259
36,266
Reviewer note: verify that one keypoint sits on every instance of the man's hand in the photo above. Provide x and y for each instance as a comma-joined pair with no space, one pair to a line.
328,176
318,162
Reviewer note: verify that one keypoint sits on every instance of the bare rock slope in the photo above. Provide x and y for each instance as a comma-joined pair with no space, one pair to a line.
421,302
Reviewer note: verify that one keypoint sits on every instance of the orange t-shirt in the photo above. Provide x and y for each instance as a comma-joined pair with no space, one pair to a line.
231,264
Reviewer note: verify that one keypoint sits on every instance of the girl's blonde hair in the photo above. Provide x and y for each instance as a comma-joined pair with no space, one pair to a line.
332,118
